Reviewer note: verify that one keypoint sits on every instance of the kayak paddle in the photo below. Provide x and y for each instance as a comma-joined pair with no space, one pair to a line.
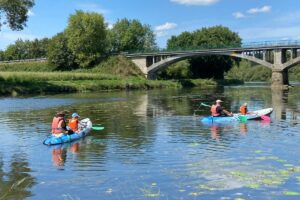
97,128
203,104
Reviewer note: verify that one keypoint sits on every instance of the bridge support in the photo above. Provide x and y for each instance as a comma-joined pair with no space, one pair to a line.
280,78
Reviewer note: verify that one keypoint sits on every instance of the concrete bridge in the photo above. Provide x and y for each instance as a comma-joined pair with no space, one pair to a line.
277,56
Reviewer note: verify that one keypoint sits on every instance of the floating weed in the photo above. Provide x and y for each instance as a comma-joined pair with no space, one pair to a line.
253,186
288,165
297,169
298,178
281,160
154,184
267,158
182,190
258,151
150,193
239,198
109,191
195,193
238,173
195,144
291,193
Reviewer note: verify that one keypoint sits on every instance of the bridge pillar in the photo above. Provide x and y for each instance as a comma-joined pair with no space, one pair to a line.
280,78
141,63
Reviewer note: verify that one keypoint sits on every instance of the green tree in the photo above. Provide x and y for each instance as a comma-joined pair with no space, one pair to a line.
15,13
59,54
213,37
86,34
131,35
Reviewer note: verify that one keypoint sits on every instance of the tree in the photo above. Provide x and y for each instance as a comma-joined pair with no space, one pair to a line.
59,54
213,37
15,13
131,35
86,35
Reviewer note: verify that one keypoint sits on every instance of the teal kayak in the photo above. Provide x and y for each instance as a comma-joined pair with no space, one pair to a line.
257,114
85,126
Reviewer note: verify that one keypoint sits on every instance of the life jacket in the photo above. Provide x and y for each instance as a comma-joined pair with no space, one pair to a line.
73,124
213,111
56,122
243,110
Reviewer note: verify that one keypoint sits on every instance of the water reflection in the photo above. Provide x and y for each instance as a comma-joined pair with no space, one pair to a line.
16,183
59,153
279,100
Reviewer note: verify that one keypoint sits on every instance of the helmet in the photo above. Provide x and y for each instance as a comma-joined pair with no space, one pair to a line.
75,115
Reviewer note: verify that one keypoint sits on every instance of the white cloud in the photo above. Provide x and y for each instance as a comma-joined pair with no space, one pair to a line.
92,7
30,13
162,30
195,2
263,9
238,15
166,26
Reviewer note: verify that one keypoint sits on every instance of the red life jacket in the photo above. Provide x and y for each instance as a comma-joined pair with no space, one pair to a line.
56,125
243,110
73,124
213,111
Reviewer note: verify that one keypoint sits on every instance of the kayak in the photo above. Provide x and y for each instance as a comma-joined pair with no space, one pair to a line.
257,114
85,125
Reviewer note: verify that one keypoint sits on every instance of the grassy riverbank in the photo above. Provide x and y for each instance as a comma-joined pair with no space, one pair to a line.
16,83
115,73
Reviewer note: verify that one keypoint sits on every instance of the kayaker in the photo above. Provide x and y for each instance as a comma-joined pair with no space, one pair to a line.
217,110
73,123
244,109
59,127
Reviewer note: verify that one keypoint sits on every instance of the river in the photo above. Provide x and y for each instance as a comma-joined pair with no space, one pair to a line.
154,146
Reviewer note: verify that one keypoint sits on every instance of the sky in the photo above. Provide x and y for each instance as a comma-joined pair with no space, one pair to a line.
253,20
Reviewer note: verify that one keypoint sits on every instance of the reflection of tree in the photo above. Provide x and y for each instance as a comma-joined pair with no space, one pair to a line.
16,183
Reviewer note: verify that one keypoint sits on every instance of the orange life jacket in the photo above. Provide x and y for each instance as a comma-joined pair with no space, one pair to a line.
56,125
243,110
213,111
73,124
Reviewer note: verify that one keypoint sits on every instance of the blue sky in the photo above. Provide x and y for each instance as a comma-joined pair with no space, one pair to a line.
253,20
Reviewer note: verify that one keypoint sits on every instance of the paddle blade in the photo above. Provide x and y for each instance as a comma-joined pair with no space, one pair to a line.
265,118
97,128
203,104
242,118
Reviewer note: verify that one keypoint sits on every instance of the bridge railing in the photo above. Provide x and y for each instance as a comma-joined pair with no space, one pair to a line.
224,46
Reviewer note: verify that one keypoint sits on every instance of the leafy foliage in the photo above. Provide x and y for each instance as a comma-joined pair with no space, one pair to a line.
86,34
213,37
59,54
131,35
16,12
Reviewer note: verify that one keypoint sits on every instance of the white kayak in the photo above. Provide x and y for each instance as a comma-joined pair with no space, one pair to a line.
257,114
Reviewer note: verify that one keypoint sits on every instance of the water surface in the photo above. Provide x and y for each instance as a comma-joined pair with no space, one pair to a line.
154,146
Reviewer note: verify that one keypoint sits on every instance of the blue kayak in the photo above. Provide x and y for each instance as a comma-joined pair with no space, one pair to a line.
257,114
85,126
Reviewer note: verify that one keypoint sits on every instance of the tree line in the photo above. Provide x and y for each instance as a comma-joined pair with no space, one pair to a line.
87,40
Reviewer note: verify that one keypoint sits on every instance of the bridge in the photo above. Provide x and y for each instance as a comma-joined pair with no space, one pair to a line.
277,56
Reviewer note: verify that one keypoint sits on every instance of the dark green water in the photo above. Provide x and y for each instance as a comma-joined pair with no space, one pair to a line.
154,146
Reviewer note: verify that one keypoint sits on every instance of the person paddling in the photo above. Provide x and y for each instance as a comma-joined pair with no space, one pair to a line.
217,110
244,109
59,127
73,123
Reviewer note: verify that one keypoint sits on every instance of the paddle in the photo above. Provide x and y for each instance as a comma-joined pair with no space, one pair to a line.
97,128
265,118
203,104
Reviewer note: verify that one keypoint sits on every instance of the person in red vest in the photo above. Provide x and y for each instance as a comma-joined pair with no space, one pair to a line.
73,123
244,109
59,127
217,110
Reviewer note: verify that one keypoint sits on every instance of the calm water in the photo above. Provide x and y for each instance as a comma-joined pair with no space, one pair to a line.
153,147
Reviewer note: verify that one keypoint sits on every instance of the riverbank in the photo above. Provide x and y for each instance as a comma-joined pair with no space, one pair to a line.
116,73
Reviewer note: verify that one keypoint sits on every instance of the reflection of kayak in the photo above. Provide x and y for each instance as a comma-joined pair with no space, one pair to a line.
86,126
257,114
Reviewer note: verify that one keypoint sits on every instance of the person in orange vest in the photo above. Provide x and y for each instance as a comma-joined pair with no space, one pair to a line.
217,110
73,123
59,127
244,109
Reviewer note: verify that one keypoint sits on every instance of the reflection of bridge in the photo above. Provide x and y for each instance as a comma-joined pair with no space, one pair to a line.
278,57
